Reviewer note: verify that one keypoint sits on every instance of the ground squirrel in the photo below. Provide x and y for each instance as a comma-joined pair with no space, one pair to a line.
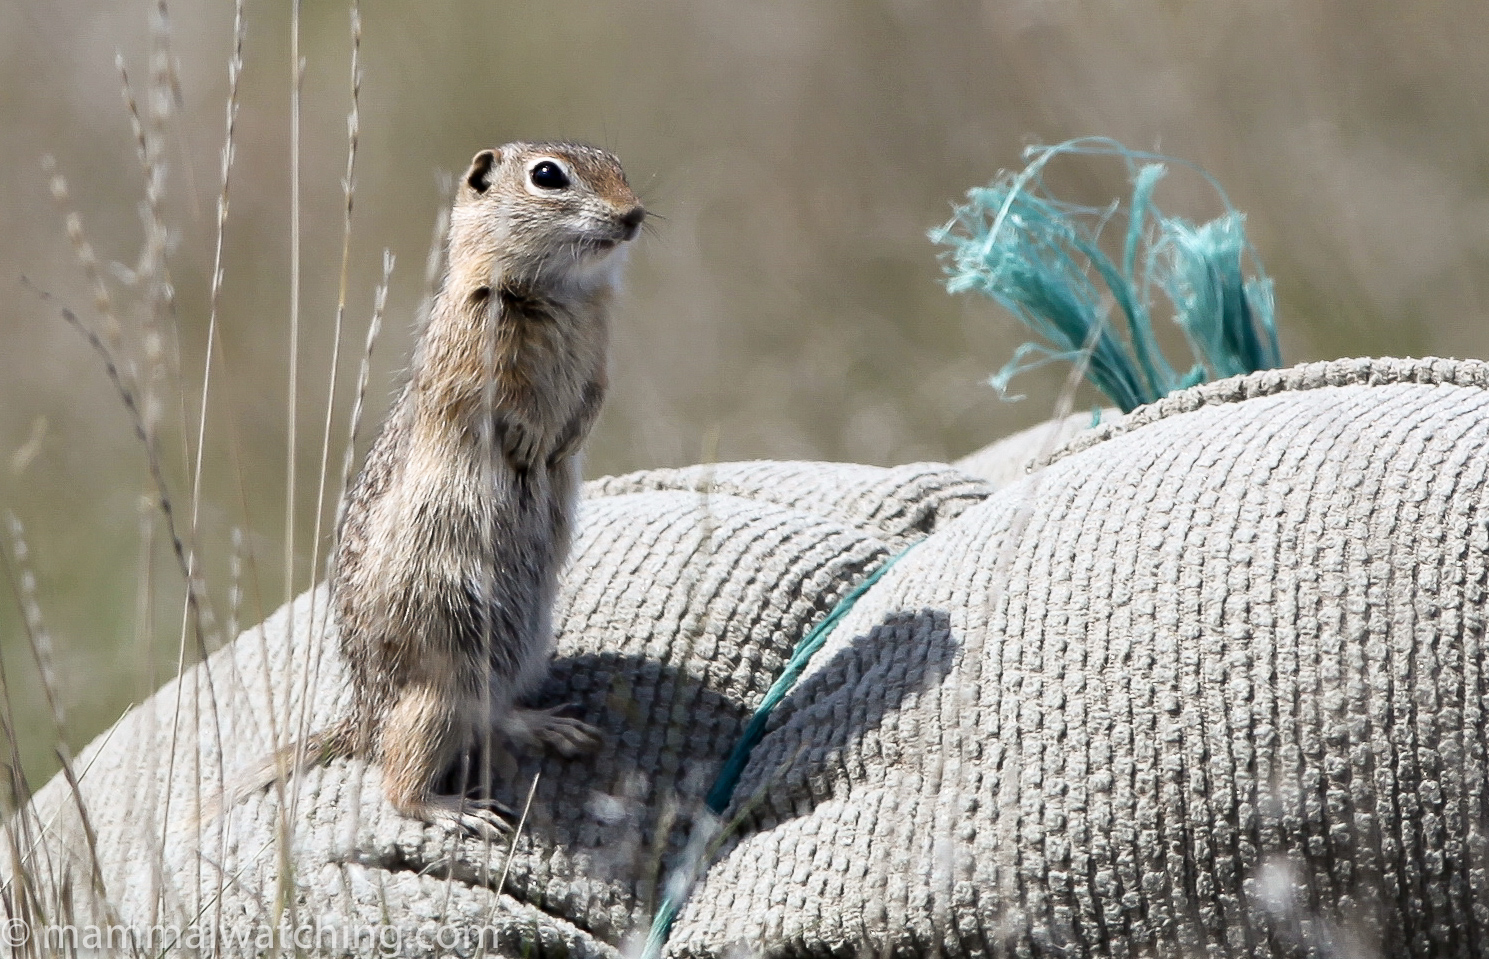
455,531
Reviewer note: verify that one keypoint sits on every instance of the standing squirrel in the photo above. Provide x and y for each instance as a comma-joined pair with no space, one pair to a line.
454,533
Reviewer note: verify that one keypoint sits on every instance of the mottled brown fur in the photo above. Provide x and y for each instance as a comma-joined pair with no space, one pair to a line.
456,529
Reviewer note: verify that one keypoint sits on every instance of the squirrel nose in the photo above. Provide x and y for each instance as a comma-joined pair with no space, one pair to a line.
631,220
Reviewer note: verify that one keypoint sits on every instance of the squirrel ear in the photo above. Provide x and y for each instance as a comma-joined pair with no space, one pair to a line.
478,177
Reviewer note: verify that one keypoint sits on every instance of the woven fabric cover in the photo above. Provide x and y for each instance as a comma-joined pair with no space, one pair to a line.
1010,458
1210,680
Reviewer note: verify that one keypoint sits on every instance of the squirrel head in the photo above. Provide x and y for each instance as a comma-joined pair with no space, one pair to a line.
542,215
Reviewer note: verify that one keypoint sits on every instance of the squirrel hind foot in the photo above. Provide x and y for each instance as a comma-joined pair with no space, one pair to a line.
482,818
549,728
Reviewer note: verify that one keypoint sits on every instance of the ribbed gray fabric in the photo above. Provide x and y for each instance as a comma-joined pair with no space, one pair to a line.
1010,458
685,593
1210,682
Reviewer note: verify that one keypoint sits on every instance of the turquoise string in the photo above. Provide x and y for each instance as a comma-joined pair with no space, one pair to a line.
723,787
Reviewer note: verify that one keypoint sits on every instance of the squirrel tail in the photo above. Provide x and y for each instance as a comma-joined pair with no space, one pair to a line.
316,749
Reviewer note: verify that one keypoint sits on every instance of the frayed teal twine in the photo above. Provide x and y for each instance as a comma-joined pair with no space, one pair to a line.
1042,260
722,793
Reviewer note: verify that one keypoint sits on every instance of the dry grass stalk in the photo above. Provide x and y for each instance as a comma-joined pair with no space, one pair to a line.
103,304
36,631
292,398
348,186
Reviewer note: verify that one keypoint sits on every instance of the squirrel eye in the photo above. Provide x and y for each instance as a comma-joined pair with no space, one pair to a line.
549,176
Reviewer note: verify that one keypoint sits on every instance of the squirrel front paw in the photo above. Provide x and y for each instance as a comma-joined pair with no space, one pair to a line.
519,446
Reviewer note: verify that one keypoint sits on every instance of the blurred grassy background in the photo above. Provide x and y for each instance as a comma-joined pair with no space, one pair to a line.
788,305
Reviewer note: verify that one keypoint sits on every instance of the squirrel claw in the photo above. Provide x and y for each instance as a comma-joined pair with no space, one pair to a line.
519,445
482,818
485,823
565,735
569,737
